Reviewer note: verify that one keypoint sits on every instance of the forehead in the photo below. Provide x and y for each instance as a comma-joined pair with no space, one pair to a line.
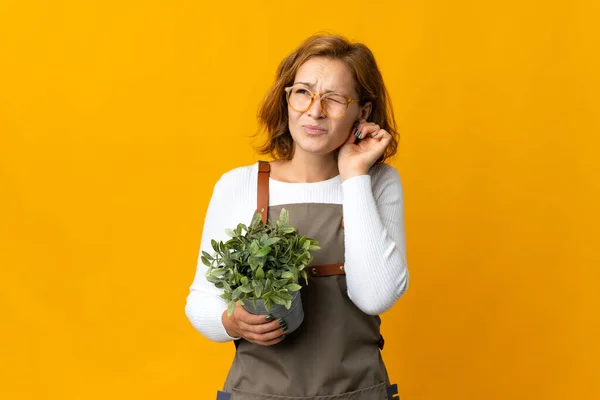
326,74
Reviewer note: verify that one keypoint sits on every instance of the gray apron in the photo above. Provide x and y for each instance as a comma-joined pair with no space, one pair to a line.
334,354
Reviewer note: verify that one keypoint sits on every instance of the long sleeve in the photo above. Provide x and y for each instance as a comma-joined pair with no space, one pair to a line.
375,248
204,307
375,254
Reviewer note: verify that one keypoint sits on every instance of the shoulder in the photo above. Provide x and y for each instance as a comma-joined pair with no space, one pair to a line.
237,185
385,178
384,174
238,177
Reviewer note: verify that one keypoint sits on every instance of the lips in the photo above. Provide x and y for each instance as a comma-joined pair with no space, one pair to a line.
313,129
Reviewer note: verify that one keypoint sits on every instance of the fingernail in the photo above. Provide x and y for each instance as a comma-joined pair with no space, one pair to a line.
281,321
285,328
375,135
282,337
269,318
360,136
357,133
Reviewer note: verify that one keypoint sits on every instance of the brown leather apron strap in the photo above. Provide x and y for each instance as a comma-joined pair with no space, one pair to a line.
262,193
326,269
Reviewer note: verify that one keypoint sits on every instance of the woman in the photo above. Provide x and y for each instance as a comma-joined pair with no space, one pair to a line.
330,127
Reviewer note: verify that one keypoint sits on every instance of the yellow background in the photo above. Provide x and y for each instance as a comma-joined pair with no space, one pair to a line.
116,119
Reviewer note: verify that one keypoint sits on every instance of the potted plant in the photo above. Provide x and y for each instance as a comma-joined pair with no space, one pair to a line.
261,266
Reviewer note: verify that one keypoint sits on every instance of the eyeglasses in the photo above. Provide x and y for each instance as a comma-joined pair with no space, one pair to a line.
333,105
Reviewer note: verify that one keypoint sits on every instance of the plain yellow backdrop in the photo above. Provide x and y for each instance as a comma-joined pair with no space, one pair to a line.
117,118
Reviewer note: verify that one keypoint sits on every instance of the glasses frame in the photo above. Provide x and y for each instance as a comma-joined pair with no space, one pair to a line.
349,100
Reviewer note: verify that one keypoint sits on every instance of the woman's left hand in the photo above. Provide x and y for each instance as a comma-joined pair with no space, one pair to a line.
357,159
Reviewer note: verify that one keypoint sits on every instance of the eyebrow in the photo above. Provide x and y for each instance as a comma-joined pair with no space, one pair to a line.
312,84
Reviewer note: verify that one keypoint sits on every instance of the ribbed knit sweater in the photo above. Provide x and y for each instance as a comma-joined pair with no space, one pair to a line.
374,238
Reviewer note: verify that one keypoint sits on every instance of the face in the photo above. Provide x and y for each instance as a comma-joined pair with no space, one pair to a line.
312,130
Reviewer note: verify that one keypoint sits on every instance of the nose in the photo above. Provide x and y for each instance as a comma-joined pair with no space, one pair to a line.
315,110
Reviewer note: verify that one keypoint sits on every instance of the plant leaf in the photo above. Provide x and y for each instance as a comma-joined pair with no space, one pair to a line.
293,287
304,275
277,300
258,289
230,232
287,275
268,304
263,252
272,241
254,247
246,288
260,273
285,295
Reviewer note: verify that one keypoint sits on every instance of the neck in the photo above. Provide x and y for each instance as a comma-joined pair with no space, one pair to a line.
309,168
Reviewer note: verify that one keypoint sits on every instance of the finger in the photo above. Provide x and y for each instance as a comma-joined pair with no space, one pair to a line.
383,136
355,130
352,134
358,128
265,337
272,337
271,342
263,328
241,314
367,129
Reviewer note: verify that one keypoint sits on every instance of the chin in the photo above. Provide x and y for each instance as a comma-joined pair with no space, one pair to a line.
316,148
315,145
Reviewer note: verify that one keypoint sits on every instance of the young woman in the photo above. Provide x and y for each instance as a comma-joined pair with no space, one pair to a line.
330,128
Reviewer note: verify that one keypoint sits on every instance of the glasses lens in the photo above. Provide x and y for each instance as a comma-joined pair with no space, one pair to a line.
300,98
335,105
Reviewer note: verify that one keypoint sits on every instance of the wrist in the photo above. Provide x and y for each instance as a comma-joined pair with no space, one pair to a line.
351,174
229,326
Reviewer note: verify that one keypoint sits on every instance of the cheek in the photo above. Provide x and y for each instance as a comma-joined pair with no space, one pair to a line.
293,121
342,128
292,116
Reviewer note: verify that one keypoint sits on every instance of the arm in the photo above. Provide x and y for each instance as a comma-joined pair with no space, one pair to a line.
204,308
375,249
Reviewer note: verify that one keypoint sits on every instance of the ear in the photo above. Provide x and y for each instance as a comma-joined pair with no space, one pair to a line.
365,111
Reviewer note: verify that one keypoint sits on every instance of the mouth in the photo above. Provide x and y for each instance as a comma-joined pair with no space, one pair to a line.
313,130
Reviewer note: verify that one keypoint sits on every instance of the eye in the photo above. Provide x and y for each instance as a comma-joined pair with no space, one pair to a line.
336,98
302,91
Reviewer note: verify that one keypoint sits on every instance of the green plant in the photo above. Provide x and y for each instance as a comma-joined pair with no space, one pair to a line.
260,262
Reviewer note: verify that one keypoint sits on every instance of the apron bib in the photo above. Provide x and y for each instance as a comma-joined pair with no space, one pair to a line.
335,353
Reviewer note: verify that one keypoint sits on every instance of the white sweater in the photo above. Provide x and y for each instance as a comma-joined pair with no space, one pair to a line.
374,239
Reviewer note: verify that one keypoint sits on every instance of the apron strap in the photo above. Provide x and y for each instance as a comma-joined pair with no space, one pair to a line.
262,207
326,269
262,192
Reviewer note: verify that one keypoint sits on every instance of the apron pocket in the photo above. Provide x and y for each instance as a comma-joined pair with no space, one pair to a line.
377,392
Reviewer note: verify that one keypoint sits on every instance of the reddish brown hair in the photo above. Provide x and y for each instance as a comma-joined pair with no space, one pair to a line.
273,113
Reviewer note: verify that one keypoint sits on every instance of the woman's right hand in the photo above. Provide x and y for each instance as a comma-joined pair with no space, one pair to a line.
259,329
